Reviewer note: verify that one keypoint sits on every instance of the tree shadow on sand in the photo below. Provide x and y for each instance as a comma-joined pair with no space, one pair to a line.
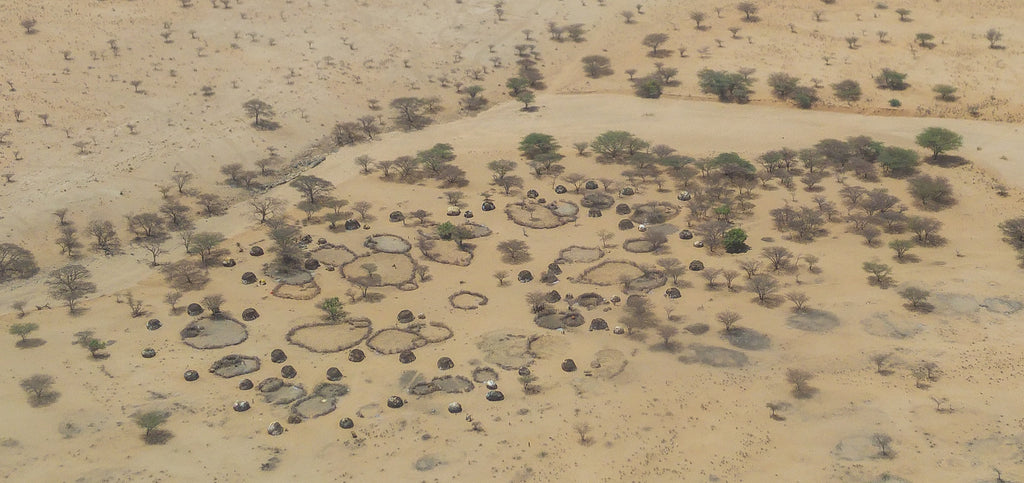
158,436
45,399
29,343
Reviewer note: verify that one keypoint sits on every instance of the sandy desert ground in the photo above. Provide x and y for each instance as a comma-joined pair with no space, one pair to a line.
678,398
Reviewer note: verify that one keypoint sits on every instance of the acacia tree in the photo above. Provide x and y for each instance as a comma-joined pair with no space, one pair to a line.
939,140
256,109
23,329
265,207
654,41
799,378
596,66
70,283
993,36
763,285
38,385
880,272
149,421
514,251
915,296
778,257
698,17
16,262
410,112
312,187
749,10
728,319
205,245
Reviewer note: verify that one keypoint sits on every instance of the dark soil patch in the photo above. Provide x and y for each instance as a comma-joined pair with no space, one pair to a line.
748,339
813,320
712,356
1002,305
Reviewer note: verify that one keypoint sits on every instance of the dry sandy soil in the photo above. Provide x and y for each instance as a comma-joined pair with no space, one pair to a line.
691,410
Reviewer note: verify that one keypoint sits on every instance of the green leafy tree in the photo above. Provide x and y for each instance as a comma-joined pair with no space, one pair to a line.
945,92
728,86
535,145
205,245
445,230
149,421
892,80
23,330
896,160
333,309
734,241
516,85
939,140
94,346
915,296
648,87
597,66
783,84
526,97
654,41
879,271
847,90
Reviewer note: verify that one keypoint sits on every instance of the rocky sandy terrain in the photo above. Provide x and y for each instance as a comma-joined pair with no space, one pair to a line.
617,359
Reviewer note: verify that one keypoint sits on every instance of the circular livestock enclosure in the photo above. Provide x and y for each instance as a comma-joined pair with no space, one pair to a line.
328,337
214,333
387,243
466,300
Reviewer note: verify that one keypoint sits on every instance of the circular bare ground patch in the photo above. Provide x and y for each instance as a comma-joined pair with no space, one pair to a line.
235,365
387,243
610,363
712,356
210,333
393,341
467,300
448,384
314,406
813,320
1002,305
534,215
392,268
885,325
484,374
446,252
336,255
433,332
304,291
508,351
578,254
285,394
638,245
325,337
610,272
647,282
654,213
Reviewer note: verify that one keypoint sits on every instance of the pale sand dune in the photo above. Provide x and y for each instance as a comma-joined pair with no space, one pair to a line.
652,417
